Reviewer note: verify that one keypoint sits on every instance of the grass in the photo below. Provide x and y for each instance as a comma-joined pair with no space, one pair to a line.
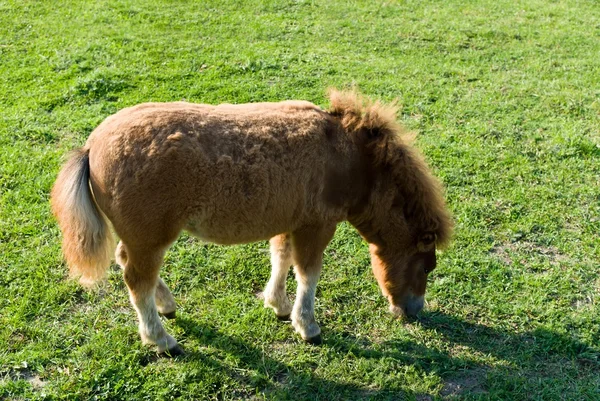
506,99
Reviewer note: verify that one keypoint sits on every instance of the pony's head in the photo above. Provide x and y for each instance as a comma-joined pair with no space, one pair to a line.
403,215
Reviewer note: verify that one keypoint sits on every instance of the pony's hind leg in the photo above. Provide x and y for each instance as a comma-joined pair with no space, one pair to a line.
141,277
307,248
165,303
121,255
281,261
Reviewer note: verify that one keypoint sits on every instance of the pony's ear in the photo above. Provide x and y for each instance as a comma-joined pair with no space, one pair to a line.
379,121
374,133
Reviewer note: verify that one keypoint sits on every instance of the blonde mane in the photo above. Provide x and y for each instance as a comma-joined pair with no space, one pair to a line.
357,112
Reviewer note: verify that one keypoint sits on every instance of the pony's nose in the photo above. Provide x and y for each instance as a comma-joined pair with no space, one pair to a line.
413,305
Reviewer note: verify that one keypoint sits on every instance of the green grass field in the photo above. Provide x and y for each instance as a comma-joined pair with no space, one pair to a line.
505,96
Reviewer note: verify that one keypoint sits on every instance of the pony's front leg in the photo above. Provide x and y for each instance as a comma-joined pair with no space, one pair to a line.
307,246
281,261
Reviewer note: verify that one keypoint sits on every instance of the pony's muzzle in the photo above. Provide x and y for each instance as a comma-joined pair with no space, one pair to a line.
411,306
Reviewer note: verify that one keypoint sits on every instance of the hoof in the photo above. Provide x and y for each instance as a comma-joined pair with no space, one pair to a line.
172,352
284,318
170,315
316,340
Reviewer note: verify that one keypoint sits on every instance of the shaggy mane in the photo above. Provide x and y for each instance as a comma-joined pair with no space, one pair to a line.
390,145
357,112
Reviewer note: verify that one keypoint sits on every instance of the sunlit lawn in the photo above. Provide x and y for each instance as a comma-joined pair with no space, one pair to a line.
505,97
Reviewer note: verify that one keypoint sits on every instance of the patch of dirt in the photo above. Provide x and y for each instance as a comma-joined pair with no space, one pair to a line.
23,373
35,381
468,382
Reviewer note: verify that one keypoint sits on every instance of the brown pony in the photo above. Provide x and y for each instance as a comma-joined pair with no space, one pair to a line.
232,174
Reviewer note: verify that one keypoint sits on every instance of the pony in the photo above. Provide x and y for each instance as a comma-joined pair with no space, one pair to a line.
231,174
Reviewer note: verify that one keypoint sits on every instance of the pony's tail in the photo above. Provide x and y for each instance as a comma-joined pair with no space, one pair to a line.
87,240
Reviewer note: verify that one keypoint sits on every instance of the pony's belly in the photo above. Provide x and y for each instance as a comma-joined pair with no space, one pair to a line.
227,235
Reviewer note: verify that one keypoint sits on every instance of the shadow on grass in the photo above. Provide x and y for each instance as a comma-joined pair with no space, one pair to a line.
273,378
540,363
523,353
529,347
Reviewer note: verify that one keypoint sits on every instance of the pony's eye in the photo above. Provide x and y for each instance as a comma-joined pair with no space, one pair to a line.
428,238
